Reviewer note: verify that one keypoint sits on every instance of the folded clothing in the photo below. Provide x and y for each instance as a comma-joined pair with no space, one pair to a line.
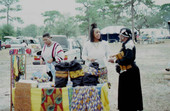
91,74
61,76
76,73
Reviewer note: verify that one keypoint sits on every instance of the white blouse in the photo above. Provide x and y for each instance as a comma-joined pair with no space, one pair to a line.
58,52
96,50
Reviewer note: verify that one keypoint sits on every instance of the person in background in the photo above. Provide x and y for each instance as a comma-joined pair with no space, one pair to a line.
129,87
52,53
24,43
98,51
24,47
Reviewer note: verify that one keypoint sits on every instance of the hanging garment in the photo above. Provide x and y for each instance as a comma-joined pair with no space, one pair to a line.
15,66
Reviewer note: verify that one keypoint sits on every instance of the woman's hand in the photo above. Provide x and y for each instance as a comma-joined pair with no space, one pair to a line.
50,61
42,62
91,59
111,60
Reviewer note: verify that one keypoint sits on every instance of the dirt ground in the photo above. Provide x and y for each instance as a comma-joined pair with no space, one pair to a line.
152,60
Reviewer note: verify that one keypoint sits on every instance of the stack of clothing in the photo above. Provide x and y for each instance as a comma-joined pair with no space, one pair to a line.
91,74
61,77
76,73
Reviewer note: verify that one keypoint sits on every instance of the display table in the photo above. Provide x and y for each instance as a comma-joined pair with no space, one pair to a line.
63,99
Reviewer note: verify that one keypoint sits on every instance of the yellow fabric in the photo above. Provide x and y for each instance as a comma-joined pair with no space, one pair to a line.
75,74
36,99
65,99
13,95
63,74
104,97
120,56
15,66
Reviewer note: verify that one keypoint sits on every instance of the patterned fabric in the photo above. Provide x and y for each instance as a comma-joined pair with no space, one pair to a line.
70,93
13,51
76,74
22,97
91,71
103,75
22,65
119,56
67,97
86,99
52,100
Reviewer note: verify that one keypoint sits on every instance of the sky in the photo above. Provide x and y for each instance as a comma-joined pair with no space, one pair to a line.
32,9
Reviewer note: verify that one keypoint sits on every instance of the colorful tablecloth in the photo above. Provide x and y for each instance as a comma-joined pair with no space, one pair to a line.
69,98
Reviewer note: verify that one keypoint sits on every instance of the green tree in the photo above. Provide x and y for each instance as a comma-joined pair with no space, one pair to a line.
87,15
165,12
30,31
135,13
8,7
7,30
40,30
18,32
67,26
50,19
93,11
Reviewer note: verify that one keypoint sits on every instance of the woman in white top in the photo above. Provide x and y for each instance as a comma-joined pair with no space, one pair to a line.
97,50
52,53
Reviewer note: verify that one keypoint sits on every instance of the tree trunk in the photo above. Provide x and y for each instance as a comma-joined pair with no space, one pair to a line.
132,11
7,15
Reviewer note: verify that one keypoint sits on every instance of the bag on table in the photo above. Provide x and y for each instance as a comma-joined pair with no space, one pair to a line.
91,74
76,73
61,75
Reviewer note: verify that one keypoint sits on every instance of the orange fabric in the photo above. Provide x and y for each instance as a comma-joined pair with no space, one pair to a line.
22,97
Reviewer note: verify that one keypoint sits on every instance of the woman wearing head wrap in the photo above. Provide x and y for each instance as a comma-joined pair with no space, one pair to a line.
98,51
129,89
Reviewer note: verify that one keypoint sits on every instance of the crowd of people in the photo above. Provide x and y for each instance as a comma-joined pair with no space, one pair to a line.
96,51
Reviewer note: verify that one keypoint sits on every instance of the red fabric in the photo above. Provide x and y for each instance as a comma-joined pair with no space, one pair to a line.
54,99
28,51
15,51
53,49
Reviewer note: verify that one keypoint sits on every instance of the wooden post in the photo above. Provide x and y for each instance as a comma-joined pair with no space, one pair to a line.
11,84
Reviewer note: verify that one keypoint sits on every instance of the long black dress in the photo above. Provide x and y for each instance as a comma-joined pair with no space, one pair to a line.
129,89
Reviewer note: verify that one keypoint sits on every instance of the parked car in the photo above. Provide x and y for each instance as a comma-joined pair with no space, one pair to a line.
16,44
71,47
5,45
33,44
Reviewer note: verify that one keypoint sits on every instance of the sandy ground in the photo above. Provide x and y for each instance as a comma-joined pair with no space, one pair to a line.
151,59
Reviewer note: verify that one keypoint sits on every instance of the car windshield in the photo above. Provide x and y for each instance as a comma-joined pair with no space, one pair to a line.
62,41
31,41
